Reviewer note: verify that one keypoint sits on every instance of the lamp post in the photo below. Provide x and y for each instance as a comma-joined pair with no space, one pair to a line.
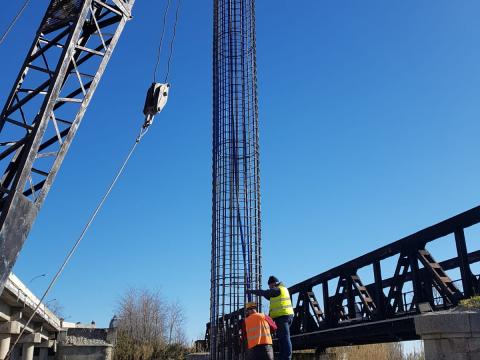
36,277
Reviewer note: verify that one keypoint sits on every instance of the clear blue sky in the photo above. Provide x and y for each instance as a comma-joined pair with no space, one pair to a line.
369,126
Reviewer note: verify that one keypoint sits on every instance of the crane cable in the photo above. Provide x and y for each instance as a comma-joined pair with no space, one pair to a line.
143,130
13,22
141,134
170,55
160,44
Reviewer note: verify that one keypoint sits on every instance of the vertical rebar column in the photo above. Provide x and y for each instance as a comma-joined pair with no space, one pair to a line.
236,234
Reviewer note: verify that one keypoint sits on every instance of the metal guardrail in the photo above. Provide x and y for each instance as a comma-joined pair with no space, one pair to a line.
25,296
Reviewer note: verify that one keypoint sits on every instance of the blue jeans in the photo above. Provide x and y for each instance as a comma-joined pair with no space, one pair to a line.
283,335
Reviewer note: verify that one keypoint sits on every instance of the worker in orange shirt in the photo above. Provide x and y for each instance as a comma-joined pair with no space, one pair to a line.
257,334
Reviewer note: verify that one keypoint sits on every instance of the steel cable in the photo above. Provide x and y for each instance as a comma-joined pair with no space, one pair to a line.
13,22
143,131
173,40
160,44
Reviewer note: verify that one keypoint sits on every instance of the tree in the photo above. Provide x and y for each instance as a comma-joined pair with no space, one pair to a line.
55,307
175,321
388,351
149,327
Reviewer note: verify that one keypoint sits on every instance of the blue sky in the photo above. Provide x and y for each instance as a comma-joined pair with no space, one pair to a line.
368,132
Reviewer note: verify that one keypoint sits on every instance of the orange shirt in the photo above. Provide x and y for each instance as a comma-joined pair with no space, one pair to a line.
257,330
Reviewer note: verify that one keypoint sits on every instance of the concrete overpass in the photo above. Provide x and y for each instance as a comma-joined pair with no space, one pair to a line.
47,336
17,304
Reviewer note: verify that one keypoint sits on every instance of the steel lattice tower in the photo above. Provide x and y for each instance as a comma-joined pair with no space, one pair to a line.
236,230
39,121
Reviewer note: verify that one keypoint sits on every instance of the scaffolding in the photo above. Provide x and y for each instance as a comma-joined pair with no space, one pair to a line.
236,226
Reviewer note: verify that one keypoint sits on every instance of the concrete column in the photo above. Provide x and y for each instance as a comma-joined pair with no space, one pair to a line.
450,335
4,345
43,355
27,351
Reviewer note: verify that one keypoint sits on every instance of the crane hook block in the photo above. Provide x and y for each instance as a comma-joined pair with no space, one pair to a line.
157,96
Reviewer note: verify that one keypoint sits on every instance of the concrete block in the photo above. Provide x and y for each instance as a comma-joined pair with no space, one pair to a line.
450,335
74,352
435,352
474,319
46,344
62,336
435,323
453,345
429,347
10,327
112,336
198,356
474,345
34,338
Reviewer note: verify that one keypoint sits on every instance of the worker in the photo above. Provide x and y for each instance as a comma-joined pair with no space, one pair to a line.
281,311
257,334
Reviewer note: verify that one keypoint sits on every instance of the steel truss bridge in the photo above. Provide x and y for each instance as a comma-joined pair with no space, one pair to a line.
337,307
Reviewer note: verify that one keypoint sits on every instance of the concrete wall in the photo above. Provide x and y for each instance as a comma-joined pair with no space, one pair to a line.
198,356
450,335
85,344
84,352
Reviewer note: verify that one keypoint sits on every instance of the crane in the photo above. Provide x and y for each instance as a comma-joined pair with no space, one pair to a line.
45,107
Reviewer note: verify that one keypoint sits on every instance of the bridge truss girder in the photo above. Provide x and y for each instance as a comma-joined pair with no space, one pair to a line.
383,310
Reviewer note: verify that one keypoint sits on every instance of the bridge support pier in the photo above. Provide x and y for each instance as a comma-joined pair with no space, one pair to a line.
4,345
450,335
43,354
43,348
6,330
28,345
27,351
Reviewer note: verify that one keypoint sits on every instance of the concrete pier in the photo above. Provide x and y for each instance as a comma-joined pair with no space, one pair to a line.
452,335
4,345
43,354
27,351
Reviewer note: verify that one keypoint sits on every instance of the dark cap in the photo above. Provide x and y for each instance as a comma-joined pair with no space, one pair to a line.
273,280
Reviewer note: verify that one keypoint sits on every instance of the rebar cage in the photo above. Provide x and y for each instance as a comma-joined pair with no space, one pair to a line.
236,225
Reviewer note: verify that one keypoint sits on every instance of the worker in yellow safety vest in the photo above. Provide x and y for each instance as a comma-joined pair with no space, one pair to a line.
256,333
281,311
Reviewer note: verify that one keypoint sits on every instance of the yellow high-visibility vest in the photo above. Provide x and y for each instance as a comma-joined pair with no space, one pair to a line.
281,305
